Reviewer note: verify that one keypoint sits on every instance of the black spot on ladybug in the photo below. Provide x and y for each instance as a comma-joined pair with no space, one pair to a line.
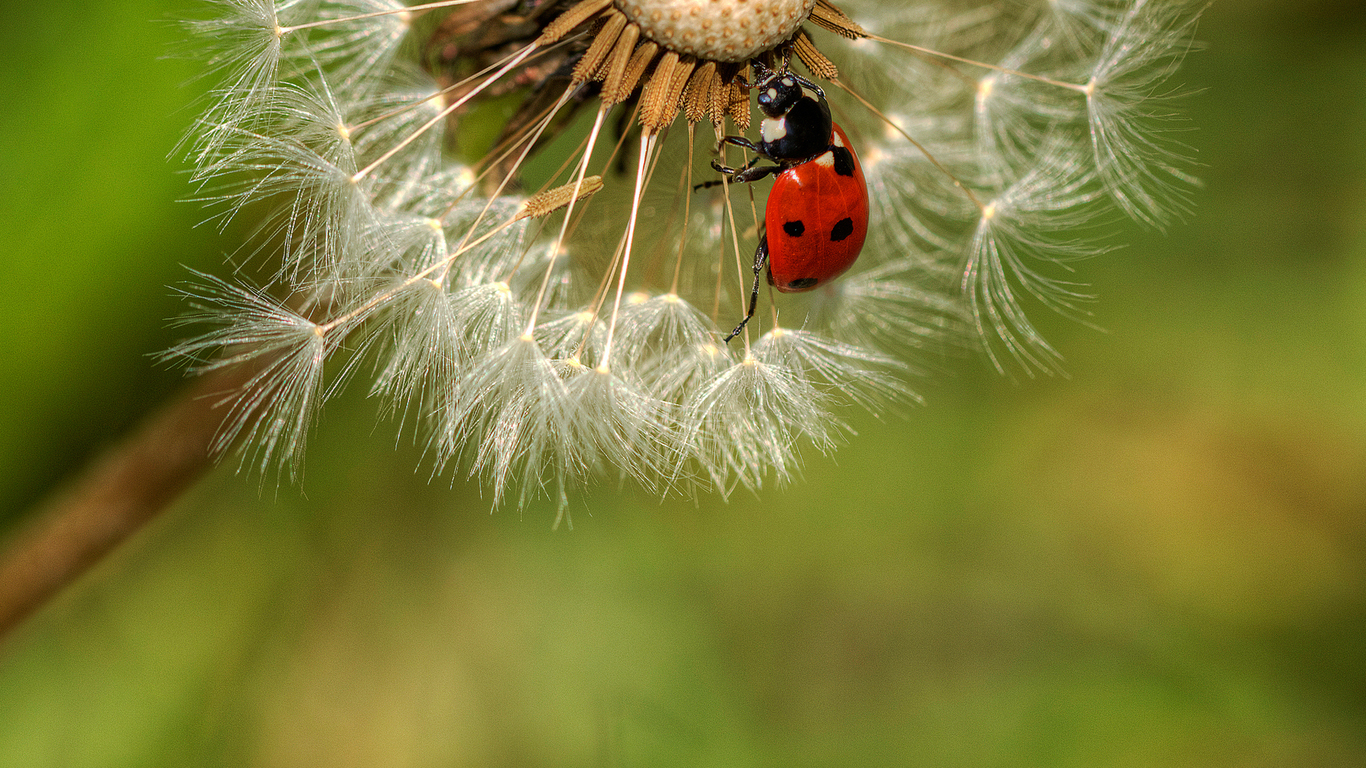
801,284
794,228
844,161
842,229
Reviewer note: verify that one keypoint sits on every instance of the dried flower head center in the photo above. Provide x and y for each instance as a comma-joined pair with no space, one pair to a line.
718,30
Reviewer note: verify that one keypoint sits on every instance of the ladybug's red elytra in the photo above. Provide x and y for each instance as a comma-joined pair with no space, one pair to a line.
816,218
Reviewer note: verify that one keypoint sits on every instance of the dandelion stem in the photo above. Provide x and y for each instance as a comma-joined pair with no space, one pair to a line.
115,496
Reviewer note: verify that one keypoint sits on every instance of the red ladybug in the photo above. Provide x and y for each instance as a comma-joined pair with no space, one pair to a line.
817,213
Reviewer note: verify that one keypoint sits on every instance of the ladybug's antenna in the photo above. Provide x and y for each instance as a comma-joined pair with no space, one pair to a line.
761,67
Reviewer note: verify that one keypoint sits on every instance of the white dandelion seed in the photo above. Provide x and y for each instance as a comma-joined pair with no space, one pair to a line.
1131,114
743,424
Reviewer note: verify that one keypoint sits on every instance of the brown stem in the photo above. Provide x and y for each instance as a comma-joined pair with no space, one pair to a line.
113,497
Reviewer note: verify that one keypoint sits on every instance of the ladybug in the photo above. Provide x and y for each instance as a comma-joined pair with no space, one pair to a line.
816,218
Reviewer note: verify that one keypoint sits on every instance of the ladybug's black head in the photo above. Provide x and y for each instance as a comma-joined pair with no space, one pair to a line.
778,93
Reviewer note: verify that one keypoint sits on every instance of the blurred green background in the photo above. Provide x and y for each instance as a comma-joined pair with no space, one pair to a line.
1159,562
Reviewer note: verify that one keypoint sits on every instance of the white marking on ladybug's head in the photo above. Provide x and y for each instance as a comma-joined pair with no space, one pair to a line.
772,93
826,160
788,82
773,129
838,141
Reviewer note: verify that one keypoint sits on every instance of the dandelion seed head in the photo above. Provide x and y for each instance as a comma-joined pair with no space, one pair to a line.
541,331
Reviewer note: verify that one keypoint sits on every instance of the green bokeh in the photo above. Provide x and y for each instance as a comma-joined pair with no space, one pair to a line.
1156,562
93,232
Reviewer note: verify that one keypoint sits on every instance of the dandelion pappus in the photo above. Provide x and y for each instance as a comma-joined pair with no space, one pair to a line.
817,211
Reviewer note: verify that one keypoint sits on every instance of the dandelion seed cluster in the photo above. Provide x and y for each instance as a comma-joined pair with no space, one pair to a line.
539,338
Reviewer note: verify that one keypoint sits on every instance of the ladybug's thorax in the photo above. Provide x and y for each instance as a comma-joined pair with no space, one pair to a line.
773,129
796,124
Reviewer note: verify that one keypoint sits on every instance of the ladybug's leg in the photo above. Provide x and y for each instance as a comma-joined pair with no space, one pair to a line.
739,175
807,83
725,170
746,173
760,261
750,173
739,141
